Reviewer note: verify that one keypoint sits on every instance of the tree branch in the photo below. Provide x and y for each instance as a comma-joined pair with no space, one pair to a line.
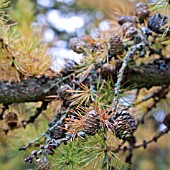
149,75
30,90
37,89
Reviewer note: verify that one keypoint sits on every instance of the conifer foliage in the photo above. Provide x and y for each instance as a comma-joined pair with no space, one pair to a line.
91,116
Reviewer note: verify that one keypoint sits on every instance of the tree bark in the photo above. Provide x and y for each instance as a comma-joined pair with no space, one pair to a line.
149,75
31,90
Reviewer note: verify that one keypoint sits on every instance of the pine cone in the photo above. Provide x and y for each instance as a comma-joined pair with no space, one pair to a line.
123,19
11,119
122,130
106,71
129,30
116,46
141,11
42,164
156,22
123,124
91,123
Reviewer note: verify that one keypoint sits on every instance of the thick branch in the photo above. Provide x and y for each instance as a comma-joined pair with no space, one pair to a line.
31,90
143,76
149,75
37,89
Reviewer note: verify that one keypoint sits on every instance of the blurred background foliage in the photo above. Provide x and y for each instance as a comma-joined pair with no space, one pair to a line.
55,22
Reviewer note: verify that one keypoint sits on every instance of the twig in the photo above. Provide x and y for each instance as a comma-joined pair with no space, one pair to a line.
145,143
126,59
154,139
57,121
119,146
155,95
158,95
37,113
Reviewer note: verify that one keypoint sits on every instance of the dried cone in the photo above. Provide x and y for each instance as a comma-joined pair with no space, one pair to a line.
156,22
11,119
42,164
123,124
116,46
141,11
106,71
129,29
123,19
92,122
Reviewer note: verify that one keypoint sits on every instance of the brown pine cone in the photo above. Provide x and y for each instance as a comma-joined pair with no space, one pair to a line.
141,11
123,19
42,164
92,122
122,130
116,46
123,124
129,30
106,71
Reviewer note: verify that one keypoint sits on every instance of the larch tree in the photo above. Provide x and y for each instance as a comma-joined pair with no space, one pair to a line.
91,111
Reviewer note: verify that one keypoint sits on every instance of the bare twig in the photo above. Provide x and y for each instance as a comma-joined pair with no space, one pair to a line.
155,95
37,113
145,143
126,59
158,95
154,139
55,122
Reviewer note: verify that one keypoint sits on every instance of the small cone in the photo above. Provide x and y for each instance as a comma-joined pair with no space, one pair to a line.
42,164
141,11
156,22
123,19
129,30
123,124
91,123
116,46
